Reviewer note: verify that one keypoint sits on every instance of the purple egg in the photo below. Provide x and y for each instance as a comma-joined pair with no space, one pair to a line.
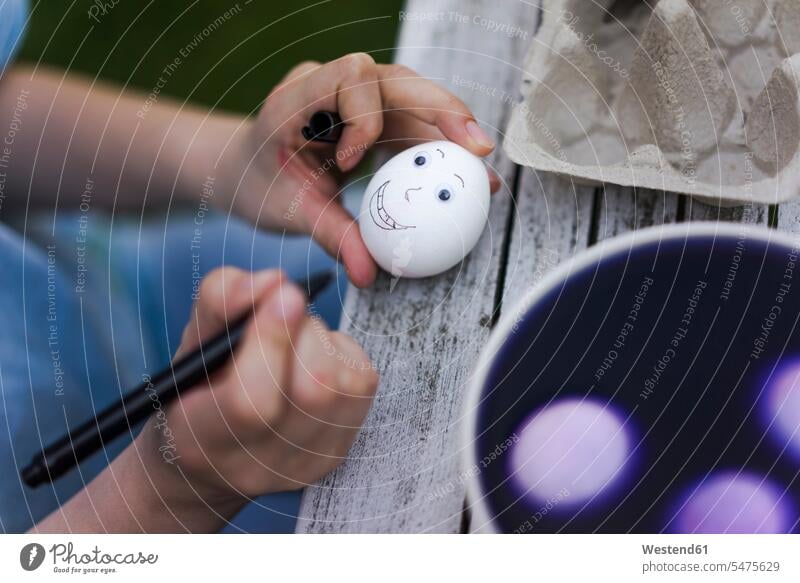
783,407
727,502
569,452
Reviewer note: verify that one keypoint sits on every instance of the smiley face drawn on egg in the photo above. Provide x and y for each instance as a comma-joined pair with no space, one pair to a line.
378,212
425,209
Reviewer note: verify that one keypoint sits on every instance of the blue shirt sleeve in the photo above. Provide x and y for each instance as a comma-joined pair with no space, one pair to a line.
13,16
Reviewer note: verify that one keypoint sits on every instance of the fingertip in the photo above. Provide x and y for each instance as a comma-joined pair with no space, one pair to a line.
220,292
348,158
466,132
288,303
482,143
361,271
252,286
353,146
359,265
494,181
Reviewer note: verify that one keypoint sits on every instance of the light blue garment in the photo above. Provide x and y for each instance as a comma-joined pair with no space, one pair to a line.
88,307
13,14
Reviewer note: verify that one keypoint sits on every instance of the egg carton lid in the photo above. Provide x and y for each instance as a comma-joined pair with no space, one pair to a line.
692,96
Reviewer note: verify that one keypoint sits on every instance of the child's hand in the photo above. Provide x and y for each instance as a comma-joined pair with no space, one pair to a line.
271,175
279,416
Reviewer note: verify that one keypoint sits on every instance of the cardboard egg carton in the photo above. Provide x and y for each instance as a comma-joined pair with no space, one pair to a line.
692,96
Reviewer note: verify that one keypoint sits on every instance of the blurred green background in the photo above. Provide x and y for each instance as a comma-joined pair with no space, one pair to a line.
231,59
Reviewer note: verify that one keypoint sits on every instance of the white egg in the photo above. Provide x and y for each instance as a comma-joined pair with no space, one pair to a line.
425,209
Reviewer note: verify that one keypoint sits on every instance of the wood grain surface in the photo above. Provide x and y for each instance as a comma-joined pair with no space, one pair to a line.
424,336
402,474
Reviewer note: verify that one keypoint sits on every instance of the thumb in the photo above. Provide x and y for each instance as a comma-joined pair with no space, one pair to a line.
224,295
263,363
337,232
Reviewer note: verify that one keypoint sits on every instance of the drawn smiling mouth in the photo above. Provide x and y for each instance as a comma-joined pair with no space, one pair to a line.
378,212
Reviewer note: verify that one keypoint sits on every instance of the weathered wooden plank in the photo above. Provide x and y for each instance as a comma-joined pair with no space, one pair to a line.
554,217
622,209
552,220
789,217
751,214
401,475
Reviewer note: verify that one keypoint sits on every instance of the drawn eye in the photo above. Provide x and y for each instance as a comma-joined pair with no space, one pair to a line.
445,192
421,159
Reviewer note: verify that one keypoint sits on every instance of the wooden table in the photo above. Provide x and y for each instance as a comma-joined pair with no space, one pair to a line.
402,473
